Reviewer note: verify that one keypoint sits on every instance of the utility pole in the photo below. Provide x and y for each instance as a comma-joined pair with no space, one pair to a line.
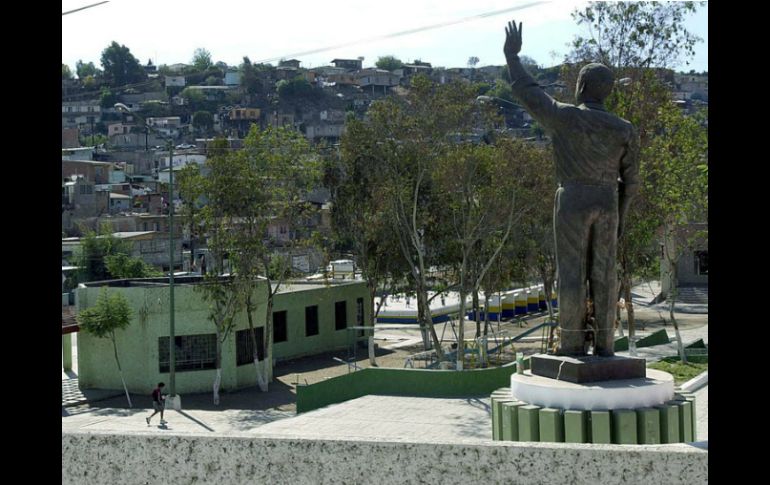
172,342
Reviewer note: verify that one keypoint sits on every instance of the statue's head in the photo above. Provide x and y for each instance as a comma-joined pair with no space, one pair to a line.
594,83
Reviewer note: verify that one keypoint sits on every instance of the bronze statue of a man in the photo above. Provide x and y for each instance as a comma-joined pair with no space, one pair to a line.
597,171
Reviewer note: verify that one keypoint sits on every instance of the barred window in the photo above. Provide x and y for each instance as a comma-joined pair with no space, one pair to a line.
244,348
360,315
311,320
192,352
359,312
340,315
280,333
702,263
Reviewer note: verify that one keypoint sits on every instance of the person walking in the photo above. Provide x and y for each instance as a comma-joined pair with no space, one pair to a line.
158,403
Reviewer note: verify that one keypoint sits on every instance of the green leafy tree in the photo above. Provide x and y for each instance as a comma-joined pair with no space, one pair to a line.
480,193
221,293
635,34
120,66
85,70
359,219
66,72
201,60
389,63
107,99
245,191
405,138
89,82
194,97
95,246
124,266
203,121
295,88
277,169
678,155
110,314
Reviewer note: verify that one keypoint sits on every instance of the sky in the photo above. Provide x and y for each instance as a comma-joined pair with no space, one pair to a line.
169,31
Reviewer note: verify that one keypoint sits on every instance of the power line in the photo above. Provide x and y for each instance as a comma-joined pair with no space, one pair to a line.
403,32
83,8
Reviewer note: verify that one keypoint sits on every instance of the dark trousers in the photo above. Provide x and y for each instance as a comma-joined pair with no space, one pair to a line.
585,231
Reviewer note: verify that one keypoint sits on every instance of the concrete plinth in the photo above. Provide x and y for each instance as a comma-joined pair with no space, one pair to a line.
587,369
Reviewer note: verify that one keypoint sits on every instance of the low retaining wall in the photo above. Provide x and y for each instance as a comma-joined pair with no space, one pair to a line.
139,457
404,382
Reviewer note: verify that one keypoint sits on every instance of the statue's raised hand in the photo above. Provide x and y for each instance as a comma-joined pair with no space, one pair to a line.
512,39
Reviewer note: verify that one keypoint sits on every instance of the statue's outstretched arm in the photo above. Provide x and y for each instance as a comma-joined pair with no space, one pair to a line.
527,92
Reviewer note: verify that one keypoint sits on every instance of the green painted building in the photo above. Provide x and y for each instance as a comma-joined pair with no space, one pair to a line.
308,318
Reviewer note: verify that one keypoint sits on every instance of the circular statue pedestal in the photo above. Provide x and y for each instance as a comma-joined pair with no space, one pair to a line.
646,410
655,389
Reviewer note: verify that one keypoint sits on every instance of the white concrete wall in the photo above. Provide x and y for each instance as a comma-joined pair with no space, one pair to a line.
150,457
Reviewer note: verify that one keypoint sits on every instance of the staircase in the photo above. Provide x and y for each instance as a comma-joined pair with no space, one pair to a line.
698,295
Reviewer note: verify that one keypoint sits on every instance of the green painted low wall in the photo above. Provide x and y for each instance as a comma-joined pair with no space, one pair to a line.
698,344
656,338
403,382
621,344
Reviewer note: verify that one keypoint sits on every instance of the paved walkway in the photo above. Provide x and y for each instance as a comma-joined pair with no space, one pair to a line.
370,417
185,421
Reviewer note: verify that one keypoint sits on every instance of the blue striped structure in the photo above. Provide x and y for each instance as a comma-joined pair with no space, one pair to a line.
532,304
409,318
521,303
509,304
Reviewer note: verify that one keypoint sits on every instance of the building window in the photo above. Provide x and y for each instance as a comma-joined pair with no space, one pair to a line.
340,315
702,263
360,315
244,347
360,312
311,320
279,327
192,352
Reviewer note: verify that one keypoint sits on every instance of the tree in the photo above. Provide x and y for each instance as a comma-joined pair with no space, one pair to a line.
111,313
405,138
120,66
298,87
472,61
102,256
201,60
635,34
219,291
85,70
277,168
249,77
66,73
245,191
630,38
107,99
203,121
678,155
389,63
123,266
95,246
359,217
479,184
